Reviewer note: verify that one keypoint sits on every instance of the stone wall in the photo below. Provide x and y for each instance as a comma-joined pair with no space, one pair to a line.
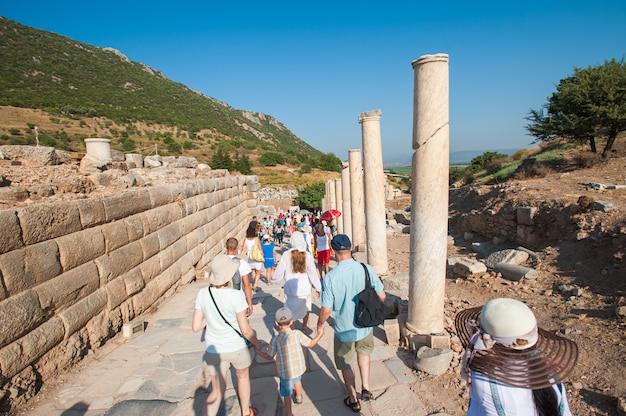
73,273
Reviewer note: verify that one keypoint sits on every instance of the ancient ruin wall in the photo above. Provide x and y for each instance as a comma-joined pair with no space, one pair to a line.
73,273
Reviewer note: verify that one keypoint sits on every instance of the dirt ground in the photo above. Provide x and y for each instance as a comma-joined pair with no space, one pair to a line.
589,258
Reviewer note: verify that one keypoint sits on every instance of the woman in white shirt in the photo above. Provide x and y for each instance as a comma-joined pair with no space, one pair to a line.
225,344
297,267
513,367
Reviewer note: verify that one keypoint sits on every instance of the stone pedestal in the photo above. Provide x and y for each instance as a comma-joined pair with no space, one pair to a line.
374,187
99,148
356,197
429,195
346,211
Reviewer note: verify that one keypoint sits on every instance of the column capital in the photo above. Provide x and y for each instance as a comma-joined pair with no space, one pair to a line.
424,59
373,115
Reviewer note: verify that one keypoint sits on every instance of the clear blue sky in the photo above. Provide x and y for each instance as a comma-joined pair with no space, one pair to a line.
315,66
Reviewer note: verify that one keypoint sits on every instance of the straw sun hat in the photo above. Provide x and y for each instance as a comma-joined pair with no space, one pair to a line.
503,342
223,268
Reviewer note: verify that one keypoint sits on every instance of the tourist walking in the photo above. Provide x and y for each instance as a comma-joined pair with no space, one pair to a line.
242,280
221,311
269,253
246,253
286,348
339,293
322,248
297,267
512,366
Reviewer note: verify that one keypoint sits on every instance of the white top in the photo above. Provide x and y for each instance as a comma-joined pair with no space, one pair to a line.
297,284
220,337
323,242
515,401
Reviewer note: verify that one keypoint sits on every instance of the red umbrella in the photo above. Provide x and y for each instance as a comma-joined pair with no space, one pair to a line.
330,215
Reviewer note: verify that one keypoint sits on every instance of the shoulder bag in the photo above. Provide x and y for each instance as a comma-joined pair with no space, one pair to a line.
248,343
256,253
371,311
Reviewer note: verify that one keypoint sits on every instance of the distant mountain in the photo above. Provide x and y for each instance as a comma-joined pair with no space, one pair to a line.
463,157
85,91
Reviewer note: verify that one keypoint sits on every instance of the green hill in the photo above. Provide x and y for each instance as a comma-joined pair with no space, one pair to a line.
82,91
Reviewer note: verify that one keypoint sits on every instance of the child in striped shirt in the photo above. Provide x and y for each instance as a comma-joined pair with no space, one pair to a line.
286,347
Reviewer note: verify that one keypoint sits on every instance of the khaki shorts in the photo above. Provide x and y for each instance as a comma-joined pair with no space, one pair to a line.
345,352
218,364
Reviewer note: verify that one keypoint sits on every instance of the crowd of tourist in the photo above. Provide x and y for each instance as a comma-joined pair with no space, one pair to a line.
512,366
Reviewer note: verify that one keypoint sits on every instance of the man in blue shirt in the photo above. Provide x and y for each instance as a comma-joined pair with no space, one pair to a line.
340,289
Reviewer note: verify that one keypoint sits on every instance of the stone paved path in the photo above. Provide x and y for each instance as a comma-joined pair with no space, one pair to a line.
160,371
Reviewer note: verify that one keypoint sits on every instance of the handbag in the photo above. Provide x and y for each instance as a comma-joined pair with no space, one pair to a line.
371,311
248,343
257,254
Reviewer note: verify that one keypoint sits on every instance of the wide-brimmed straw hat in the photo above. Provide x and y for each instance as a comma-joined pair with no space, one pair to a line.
223,268
503,342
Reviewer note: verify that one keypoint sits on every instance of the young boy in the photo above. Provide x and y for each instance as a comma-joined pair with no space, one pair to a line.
286,346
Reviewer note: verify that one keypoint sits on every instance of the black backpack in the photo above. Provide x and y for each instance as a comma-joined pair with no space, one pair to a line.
371,311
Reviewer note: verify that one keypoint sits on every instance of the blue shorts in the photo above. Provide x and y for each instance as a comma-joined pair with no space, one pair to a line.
286,386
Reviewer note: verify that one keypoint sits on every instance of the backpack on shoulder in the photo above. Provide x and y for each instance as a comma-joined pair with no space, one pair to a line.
371,311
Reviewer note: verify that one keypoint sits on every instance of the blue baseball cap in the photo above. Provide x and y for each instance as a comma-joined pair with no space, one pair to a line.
341,242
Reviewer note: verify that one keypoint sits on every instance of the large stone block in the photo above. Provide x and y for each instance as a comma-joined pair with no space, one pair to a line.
135,227
150,245
143,300
125,258
68,288
91,212
116,292
105,269
18,315
27,267
162,195
76,316
126,204
81,247
21,353
169,234
115,235
134,281
11,235
41,222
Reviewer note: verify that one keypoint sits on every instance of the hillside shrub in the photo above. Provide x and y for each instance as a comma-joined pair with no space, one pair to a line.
271,159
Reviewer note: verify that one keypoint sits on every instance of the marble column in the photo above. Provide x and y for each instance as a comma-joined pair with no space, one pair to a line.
356,198
374,189
339,205
346,210
429,195
332,200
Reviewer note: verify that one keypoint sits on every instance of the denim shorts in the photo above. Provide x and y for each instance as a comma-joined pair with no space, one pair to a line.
286,386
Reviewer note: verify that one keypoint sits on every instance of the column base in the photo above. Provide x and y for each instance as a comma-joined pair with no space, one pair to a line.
414,341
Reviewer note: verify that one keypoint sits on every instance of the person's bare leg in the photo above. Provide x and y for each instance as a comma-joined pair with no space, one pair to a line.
305,322
214,400
297,388
243,389
287,403
364,369
349,381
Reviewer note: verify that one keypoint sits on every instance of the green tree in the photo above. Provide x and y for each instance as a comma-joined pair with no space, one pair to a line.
310,197
243,165
587,106
480,162
221,160
271,159
330,162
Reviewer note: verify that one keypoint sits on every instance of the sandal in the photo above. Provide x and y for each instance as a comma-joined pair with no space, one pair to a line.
366,395
296,399
356,406
253,411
